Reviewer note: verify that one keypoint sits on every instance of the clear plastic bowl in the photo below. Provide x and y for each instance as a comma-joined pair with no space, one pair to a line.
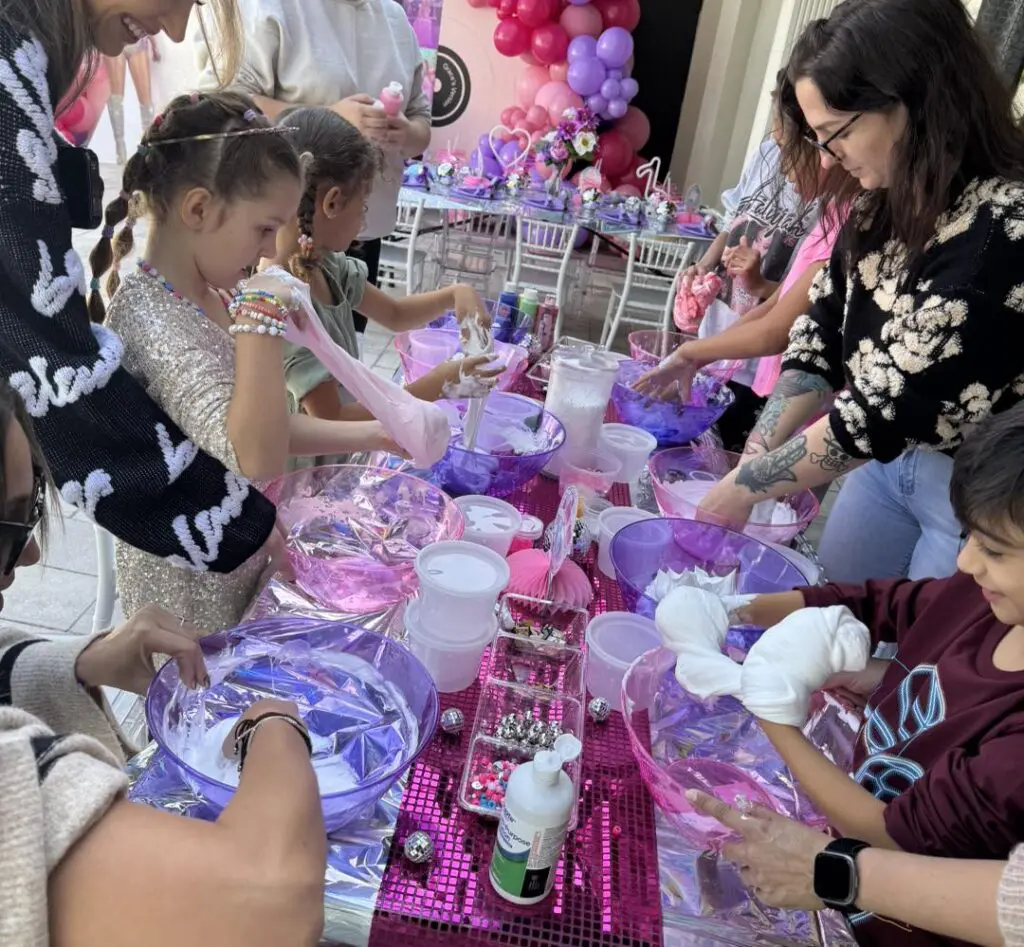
641,550
608,524
592,472
652,345
422,350
671,422
490,522
499,466
354,532
167,700
614,641
673,469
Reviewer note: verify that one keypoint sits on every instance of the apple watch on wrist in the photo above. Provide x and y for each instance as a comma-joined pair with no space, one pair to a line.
836,881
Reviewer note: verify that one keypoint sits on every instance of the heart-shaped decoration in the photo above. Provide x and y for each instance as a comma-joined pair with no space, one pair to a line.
517,133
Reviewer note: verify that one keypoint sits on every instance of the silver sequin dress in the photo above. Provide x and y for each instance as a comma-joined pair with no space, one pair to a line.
187,365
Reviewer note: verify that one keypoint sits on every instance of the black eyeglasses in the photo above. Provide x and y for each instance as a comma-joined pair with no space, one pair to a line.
823,146
14,537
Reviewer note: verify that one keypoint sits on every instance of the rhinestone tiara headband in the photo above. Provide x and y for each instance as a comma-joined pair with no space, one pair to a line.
147,147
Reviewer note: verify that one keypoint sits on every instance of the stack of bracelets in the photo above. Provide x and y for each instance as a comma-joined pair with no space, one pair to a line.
246,729
265,313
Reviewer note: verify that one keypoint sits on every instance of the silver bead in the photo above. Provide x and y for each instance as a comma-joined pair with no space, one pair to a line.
535,733
419,848
452,721
599,709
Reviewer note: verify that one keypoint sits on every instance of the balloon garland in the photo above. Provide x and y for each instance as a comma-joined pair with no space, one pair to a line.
577,52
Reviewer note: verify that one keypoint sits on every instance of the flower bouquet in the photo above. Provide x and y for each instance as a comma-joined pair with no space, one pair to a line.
573,139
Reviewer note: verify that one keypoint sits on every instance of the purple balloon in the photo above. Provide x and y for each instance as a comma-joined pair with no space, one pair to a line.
582,47
617,108
485,147
615,74
611,89
511,152
485,163
579,3
629,88
614,47
597,104
585,76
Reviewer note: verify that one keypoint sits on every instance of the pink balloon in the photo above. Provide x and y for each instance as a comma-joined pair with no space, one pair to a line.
562,100
529,84
582,21
628,190
530,59
516,116
536,136
616,153
506,115
547,92
559,72
636,127
537,116
478,4
549,44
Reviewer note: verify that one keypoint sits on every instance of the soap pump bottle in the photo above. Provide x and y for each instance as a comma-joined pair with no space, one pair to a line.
538,807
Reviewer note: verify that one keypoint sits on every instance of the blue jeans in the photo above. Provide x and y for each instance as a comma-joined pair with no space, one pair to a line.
892,521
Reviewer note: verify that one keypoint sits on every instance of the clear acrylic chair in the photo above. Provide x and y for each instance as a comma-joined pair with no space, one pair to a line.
544,260
403,261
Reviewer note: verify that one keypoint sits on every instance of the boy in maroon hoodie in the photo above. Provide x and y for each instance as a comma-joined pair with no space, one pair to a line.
939,764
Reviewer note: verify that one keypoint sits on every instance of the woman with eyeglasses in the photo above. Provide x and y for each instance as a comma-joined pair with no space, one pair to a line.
81,865
917,323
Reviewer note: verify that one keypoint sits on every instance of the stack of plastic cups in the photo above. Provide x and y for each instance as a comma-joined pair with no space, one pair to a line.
609,523
451,624
490,522
633,447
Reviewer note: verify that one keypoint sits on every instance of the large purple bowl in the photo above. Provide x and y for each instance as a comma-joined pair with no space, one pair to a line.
354,532
259,660
641,550
671,422
497,471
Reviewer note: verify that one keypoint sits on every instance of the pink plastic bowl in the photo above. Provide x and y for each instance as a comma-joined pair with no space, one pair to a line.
689,464
652,345
422,350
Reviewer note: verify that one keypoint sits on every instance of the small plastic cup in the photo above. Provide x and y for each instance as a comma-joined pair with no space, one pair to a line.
614,641
490,522
530,532
454,665
591,471
459,586
632,445
608,524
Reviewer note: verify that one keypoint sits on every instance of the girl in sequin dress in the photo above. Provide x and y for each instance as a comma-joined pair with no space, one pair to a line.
217,180
341,166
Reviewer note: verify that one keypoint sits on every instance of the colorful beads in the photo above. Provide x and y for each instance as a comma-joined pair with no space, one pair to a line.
487,788
151,272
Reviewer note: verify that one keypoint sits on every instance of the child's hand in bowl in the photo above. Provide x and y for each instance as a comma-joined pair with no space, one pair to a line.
469,305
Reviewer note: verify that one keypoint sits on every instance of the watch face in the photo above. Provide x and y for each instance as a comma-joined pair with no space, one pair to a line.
835,877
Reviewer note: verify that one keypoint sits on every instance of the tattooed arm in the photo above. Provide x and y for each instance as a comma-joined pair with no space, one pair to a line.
808,460
797,396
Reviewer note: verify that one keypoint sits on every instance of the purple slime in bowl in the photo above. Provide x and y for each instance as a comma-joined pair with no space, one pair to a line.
671,422
498,471
641,550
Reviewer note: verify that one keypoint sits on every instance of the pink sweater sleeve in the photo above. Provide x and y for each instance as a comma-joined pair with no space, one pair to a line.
1011,900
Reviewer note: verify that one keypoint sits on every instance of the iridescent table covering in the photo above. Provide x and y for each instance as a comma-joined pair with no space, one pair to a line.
625,877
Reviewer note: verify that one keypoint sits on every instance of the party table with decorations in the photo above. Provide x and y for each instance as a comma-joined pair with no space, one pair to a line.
626,877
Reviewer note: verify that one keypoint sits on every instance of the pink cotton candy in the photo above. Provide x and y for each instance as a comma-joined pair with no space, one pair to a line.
418,427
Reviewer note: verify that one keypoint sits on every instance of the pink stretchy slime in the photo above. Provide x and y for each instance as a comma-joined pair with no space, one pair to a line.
392,98
416,426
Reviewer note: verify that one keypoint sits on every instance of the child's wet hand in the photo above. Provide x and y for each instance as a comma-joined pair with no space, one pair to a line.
469,305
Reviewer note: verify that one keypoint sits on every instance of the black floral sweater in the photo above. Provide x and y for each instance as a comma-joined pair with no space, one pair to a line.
113,452
921,364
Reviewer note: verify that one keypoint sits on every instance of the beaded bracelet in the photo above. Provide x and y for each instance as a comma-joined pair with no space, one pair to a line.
255,312
249,329
245,730
262,296
259,316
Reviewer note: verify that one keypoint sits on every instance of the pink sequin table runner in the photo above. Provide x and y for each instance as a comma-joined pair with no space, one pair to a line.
607,890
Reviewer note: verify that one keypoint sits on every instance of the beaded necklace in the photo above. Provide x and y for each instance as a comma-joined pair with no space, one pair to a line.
152,273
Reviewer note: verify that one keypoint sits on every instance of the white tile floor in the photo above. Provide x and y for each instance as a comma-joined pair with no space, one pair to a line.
61,596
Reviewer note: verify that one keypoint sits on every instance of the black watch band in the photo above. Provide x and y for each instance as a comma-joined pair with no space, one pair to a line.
836,881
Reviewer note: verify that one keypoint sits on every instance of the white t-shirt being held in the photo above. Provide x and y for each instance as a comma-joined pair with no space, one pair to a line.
317,52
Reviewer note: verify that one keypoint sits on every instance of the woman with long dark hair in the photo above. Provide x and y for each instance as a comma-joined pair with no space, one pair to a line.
113,452
918,320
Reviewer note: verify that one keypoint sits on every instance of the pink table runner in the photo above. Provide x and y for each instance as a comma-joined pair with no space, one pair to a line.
607,890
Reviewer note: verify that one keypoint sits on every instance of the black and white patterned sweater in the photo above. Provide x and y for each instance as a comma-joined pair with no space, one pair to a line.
113,452
921,364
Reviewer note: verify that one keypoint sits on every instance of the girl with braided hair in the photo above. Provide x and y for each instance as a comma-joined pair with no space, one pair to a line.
341,166
217,181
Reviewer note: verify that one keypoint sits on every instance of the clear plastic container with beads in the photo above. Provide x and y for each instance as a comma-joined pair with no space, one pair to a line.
539,619
514,722
537,665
